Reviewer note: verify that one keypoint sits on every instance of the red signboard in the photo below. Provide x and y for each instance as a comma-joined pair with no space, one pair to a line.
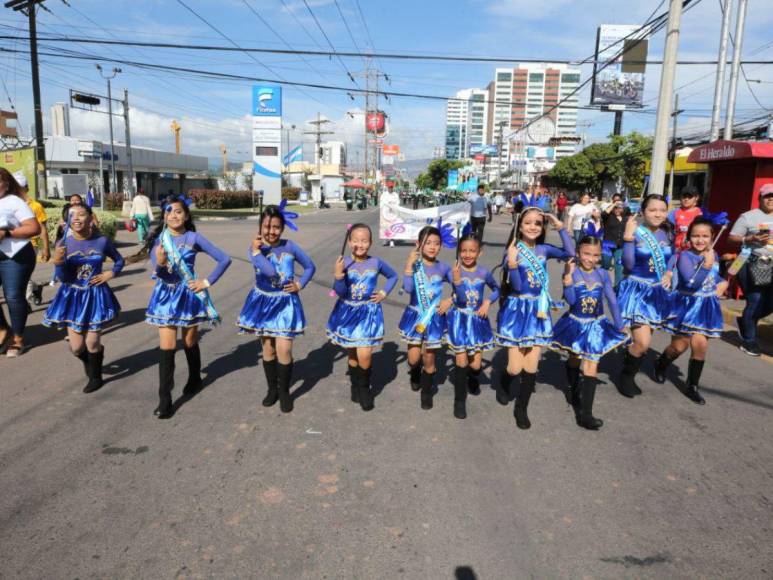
376,122
730,150
391,149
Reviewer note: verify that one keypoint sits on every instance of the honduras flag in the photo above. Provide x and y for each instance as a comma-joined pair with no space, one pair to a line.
294,155
90,198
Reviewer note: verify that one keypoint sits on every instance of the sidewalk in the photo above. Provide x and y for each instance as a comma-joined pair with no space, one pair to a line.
731,309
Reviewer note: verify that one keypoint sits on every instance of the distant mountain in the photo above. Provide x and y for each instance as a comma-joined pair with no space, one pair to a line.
413,167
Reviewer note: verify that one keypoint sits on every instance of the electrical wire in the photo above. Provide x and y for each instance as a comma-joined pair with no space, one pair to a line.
324,34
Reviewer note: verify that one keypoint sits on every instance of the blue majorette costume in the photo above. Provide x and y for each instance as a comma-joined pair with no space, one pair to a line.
421,323
524,316
269,310
695,305
466,331
78,304
584,330
643,299
355,320
172,303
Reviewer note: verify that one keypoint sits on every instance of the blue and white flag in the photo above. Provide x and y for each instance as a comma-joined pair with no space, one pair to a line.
294,155
90,198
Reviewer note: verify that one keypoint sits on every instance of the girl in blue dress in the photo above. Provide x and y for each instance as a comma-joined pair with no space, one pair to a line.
273,310
523,322
179,299
423,323
468,331
696,313
84,303
583,331
357,320
644,295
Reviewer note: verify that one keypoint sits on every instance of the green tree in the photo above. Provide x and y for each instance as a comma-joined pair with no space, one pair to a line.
575,172
437,174
423,181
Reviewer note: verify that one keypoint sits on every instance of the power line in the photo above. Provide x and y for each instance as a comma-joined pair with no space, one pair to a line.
291,12
322,30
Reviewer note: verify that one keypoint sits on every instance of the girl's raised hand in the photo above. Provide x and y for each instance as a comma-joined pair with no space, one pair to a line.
59,255
708,258
512,255
457,272
338,269
630,227
161,257
569,267
257,242
557,223
198,285
413,257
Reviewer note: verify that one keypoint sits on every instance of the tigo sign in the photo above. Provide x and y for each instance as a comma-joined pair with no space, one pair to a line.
267,101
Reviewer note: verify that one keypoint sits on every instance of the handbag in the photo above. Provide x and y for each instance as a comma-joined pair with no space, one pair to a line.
131,225
761,270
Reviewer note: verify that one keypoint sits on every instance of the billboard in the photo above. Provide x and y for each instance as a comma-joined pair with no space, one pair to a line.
622,81
391,150
266,142
483,150
376,123
22,160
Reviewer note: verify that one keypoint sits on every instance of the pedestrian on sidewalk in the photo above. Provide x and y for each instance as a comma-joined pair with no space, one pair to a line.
423,323
179,299
479,208
644,295
273,310
561,203
142,213
84,304
682,217
580,213
754,231
583,331
523,322
696,313
17,261
357,320
41,243
614,227
469,330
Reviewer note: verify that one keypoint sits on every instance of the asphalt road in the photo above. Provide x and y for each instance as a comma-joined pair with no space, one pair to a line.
93,486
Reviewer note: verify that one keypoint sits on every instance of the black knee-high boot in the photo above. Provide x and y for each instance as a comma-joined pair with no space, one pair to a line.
524,391
94,360
473,381
504,390
193,356
415,375
627,385
694,370
661,366
355,395
83,356
585,417
165,384
426,380
270,370
284,374
461,378
573,378
364,396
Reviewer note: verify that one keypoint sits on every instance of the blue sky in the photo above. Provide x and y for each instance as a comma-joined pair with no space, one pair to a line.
215,112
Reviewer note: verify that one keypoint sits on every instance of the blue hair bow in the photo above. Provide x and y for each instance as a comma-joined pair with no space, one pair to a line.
288,216
716,219
590,229
176,199
446,234
528,200
467,229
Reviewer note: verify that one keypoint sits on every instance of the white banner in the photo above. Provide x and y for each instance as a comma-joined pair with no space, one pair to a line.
400,223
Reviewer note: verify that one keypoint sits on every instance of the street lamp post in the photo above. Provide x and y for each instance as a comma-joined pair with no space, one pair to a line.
108,78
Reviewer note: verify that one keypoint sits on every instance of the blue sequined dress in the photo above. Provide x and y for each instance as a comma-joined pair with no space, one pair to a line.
518,324
584,330
695,307
269,310
642,298
355,320
172,303
432,337
78,304
466,331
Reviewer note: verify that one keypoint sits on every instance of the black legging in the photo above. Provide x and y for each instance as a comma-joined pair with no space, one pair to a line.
15,273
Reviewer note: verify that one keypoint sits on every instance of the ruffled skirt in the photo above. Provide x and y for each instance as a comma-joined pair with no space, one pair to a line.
356,324
519,326
468,332
432,337
175,305
696,314
588,338
277,314
82,308
644,303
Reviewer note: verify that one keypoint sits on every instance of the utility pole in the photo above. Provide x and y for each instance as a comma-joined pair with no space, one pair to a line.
108,78
500,129
371,76
660,141
40,144
318,132
618,123
719,83
738,43
675,116
130,165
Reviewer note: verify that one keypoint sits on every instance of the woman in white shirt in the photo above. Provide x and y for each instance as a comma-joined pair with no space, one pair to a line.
580,213
17,261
